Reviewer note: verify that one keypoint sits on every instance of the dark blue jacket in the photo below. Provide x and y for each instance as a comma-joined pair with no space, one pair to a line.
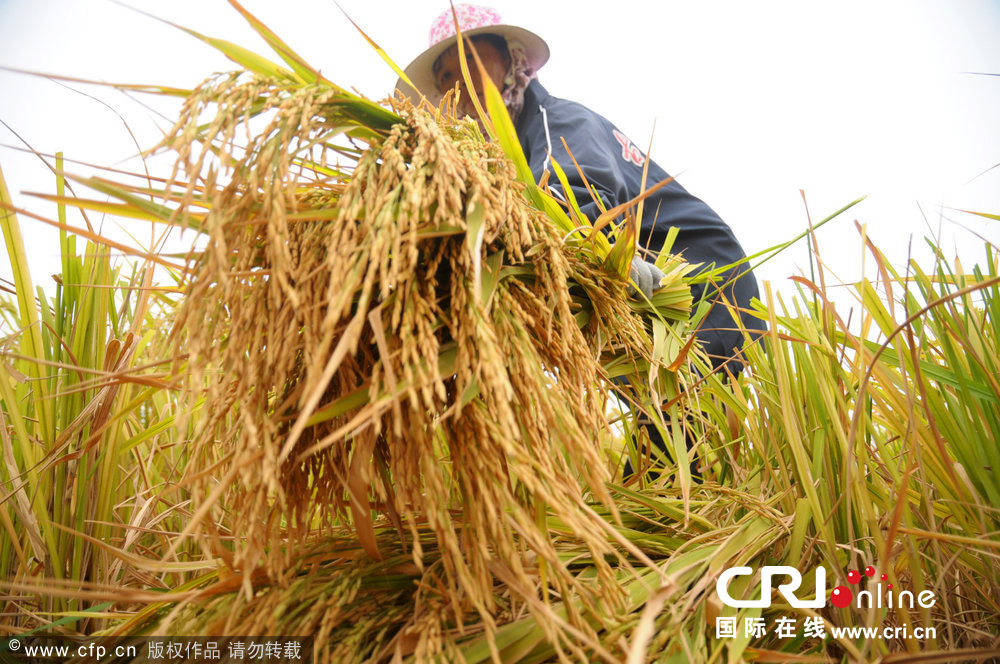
613,165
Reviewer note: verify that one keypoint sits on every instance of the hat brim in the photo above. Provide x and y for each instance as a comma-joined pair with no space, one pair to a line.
420,70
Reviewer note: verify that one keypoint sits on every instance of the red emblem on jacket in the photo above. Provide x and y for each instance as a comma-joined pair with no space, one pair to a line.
629,151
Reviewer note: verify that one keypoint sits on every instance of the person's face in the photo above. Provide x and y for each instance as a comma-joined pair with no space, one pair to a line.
450,72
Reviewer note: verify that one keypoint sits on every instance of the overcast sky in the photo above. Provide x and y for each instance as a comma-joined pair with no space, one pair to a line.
752,102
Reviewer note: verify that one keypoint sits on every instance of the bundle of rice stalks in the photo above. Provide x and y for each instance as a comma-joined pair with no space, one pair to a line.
405,340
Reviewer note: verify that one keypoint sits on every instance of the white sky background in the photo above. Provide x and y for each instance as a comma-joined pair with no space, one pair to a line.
752,102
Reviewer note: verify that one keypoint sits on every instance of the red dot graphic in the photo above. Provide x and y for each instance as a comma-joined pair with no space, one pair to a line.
869,571
853,577
842,596
890,586
884,577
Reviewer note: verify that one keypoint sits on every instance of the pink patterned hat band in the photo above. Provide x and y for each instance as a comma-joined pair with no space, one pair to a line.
469,17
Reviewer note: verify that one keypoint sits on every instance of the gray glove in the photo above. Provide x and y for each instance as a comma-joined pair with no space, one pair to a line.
646,276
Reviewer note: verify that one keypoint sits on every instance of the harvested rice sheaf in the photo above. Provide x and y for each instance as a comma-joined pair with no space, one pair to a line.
394,336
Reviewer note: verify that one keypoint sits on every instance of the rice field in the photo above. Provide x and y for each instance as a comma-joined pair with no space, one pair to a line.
385,402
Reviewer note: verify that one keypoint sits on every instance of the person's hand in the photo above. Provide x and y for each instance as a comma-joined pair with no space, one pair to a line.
644,276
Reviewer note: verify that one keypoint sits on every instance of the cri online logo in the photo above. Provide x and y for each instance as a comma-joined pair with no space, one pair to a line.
842,596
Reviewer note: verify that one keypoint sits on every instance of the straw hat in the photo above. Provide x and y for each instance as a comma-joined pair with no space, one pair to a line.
472,20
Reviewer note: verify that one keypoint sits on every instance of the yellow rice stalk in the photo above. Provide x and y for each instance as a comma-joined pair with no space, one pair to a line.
413,344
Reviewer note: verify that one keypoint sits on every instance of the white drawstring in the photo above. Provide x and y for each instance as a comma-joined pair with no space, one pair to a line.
548,139
548,153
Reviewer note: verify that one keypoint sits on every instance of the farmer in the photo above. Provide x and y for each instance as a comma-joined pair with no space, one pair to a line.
612,164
